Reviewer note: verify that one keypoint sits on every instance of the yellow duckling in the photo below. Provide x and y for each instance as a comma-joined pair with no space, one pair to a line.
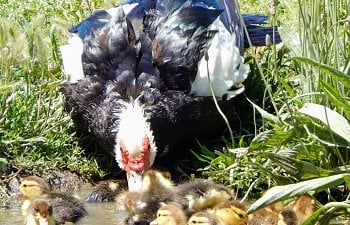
203,218
31,188
170,214
40,213
65,208
230,213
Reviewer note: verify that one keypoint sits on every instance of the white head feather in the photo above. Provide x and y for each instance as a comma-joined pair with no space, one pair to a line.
133,127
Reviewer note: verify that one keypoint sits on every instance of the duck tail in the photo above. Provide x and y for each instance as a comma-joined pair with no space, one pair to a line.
257,32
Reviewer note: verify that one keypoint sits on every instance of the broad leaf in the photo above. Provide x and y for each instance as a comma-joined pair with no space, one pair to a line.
336,122
280,193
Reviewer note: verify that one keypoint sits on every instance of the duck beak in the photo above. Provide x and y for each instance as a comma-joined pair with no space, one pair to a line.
134,180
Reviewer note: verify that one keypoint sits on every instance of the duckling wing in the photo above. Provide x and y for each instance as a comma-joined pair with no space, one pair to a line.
67,208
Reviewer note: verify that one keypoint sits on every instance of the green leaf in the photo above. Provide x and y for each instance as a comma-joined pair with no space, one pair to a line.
266,115
271,138
280,193
336,122
336,98
298,168
340,76
314,217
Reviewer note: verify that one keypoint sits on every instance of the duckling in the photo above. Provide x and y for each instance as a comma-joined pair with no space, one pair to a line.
170,214
40,213
287,217
31,188
264,216
230,213
202,218
105,191
199,195
304,207
129,201
65,208
142,206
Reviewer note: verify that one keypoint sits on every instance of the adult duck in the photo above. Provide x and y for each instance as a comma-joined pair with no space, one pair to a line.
139,82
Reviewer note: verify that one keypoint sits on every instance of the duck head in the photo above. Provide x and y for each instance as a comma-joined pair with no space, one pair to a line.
135,147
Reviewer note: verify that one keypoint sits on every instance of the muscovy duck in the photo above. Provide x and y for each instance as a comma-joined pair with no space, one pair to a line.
139,79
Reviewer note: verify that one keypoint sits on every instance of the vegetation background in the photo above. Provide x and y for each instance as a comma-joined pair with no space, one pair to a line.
299,90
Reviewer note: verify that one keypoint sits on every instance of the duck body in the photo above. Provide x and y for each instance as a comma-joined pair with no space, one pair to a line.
140,87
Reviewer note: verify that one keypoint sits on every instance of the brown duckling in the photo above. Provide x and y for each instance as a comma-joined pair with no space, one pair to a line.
65,208
304,207
170,214
264,216
40,213
287,217
197,196
230,213
202,218
106,191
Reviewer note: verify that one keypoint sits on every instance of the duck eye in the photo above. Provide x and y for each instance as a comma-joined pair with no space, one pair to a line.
240,215
24,185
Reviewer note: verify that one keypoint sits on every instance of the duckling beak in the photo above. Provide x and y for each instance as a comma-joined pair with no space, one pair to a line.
154,222
134,180
43,221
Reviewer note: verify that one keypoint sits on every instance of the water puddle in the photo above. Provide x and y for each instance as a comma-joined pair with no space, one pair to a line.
98,213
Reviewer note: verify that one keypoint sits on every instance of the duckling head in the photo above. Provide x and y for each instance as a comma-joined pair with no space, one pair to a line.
230,213
154,181
135,148
170,214
41,213
32,187
202,218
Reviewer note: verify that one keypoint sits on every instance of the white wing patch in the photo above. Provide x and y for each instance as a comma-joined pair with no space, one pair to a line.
71,56
226,66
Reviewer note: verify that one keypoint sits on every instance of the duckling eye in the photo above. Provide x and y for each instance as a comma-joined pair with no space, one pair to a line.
24,185
240,215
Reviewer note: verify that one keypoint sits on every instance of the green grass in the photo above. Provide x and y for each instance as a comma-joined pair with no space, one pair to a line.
35,132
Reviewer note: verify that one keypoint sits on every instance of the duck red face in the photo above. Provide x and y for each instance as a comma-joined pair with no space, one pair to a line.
136,163
135,149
